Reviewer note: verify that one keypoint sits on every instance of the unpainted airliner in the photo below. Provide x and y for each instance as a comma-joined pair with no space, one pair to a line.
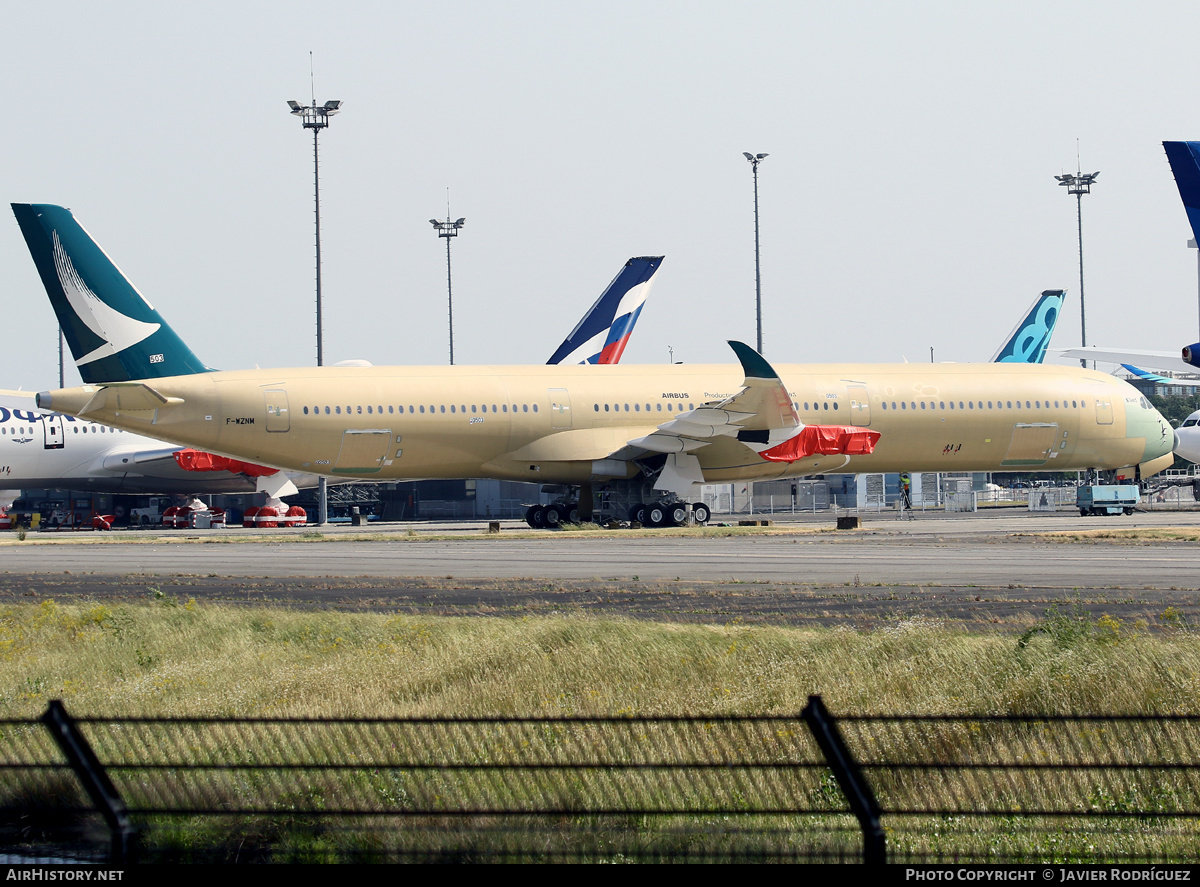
652,434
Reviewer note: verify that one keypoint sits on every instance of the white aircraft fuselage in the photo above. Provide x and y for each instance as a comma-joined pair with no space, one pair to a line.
569,425
40,449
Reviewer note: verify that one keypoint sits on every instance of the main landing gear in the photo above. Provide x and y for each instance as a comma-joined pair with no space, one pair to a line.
669,514
656,514
541,517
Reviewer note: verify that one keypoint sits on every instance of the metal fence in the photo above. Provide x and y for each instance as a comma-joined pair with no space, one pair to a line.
756,788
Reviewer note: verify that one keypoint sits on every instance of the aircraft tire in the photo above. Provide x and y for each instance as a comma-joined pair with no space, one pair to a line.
538,522
701,513
656,516
529,517
572,514
638,513
552,516
677,515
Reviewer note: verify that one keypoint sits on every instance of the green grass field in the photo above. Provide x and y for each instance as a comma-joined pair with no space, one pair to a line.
176,657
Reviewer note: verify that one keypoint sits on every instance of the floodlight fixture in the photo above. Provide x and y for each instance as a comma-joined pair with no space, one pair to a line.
316,117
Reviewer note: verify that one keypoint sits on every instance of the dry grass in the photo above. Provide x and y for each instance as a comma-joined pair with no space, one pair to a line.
169,657
1138,535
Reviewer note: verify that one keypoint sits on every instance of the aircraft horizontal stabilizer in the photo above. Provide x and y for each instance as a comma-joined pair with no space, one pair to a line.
135,399
128,459
824,440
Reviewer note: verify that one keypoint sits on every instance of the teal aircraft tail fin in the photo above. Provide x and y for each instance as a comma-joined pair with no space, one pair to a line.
1028,342
114,334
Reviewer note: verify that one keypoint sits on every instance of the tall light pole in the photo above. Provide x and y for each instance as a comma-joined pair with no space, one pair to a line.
1078,185
316,117
755,160
448,229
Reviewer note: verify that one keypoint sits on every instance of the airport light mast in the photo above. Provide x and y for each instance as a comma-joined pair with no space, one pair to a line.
448,229
1078,185
316,117
755,160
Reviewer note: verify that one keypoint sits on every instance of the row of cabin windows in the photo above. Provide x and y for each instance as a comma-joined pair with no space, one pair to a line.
95,429
978,404
420,408
637,407
684,405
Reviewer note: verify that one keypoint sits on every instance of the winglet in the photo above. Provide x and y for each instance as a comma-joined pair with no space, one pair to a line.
754,364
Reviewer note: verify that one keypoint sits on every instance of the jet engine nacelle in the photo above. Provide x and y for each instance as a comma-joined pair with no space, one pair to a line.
1191,354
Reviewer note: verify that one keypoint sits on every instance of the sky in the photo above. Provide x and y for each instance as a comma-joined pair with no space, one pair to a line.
907,203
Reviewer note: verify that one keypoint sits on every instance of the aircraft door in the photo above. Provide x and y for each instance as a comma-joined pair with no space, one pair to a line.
364,451
53,427
1032,444
278,418
1104,410
560,409
860,405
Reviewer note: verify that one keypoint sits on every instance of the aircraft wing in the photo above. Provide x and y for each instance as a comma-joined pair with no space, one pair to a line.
1158,360
759,412
760,415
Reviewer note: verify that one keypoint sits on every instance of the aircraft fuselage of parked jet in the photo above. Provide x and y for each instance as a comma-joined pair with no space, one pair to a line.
571,425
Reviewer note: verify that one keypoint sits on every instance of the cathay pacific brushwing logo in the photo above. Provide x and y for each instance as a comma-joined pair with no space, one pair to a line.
117,330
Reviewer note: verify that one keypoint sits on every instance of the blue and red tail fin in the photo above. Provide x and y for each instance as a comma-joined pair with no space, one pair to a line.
115,335
604,331
1028,341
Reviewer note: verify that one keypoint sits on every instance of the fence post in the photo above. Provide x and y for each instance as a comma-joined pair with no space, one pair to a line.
91,773
849,777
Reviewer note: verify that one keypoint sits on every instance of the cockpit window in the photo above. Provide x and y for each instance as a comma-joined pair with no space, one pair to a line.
1188,423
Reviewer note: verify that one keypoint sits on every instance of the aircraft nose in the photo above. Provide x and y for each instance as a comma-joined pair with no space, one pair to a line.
1187,443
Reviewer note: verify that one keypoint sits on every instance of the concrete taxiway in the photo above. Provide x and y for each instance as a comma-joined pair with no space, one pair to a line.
994,550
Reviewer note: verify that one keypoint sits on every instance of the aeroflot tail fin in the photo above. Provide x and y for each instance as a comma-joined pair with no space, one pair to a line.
1184,158
114,334
1027,343
604,331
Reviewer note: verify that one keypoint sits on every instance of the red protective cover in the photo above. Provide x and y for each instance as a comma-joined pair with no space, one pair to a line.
198,460
824,440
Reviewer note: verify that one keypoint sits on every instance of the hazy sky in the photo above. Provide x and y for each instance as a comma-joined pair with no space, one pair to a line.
908,199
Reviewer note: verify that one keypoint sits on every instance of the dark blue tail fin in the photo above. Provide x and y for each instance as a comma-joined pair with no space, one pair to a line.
114,334
1184,158
604,331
